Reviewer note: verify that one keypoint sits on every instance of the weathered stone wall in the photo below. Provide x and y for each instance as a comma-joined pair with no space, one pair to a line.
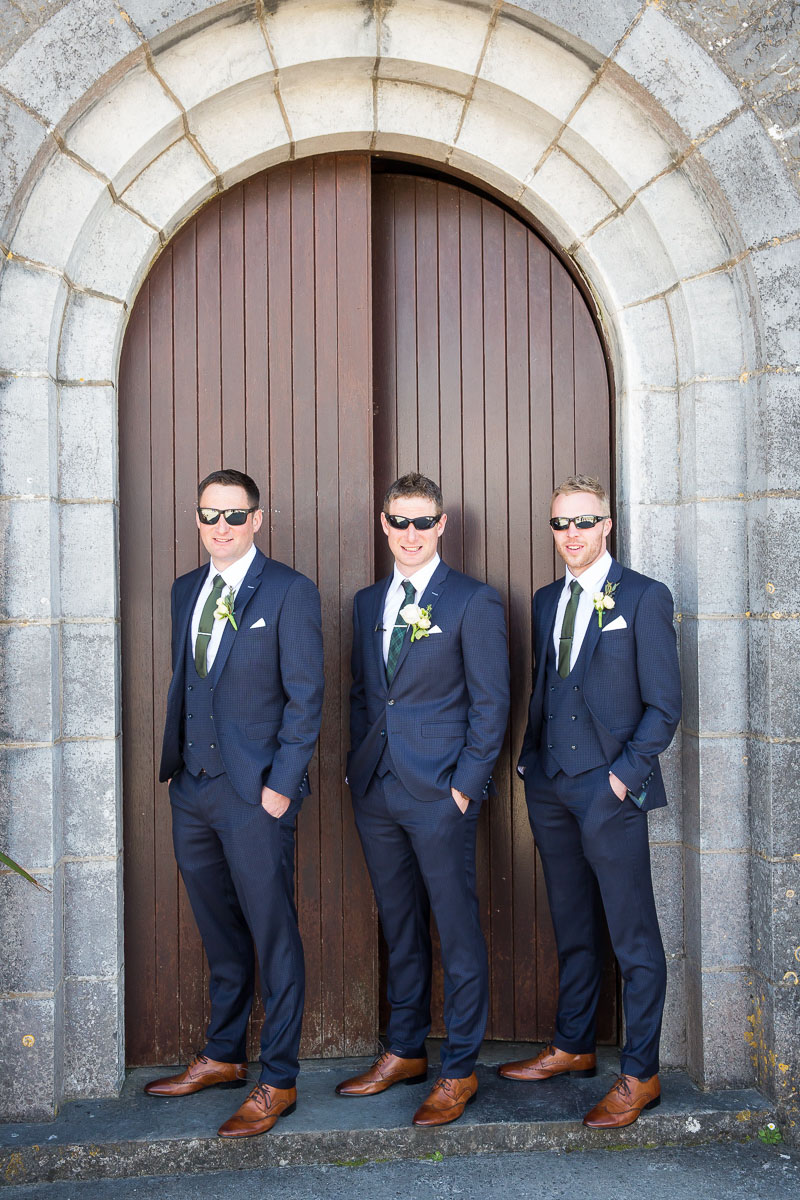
653,160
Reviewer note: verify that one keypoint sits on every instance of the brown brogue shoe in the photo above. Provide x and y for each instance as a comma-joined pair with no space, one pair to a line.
447,1101
550,1062
260,1111
202,1072
387,1069
623,1103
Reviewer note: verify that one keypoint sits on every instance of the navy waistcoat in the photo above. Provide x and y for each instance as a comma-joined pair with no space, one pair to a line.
200,745
569,740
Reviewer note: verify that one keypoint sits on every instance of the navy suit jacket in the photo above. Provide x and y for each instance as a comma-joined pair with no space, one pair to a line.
268,682
446,709
631,686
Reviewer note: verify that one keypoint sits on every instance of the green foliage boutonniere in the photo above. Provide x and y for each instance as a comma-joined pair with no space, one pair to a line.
224,609
604,600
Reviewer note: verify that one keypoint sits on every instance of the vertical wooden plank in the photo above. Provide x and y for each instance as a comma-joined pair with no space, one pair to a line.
592,409
256,360
472,361
563,373
209,356
384,325
232,369
136,584
405,266
449,350
279,241
427,332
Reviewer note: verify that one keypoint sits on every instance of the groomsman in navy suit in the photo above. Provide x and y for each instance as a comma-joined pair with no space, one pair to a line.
428,711
606,702
243,716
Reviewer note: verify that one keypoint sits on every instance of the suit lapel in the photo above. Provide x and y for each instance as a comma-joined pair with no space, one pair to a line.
381,591
430,596
592,636
249,586
547,625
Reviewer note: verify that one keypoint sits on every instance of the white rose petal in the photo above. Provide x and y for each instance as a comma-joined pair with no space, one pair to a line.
424,622
608,601
597,598
411,613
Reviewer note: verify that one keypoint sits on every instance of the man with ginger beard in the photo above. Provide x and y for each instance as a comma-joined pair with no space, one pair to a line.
606,702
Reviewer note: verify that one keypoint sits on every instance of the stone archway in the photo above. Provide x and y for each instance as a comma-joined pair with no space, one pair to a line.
589,135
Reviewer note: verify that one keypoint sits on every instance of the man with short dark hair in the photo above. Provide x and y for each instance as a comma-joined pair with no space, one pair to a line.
606,702
428,711
243,716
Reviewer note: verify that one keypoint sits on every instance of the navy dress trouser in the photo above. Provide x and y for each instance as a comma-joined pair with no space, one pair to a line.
595,850
237,863
421,857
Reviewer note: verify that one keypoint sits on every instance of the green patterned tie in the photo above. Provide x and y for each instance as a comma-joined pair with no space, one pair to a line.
398,633
205,627
567,629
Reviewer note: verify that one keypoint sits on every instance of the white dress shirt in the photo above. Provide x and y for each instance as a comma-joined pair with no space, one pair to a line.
396,596
591,581
233,576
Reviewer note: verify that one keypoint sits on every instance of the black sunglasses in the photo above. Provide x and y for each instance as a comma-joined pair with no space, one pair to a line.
233,516
419,523
587,521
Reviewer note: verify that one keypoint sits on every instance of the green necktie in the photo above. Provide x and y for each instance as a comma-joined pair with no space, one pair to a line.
205,627
567,629
398,633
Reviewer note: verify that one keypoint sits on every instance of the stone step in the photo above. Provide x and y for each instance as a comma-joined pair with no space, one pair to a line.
138,1135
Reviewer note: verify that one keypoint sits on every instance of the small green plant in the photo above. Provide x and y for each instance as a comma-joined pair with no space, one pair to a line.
436,1156
770,1134
14,866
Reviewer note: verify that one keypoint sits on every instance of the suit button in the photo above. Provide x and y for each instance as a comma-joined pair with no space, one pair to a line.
391,702
573,747
191,743
571,718
189,688
575,687
188,716
383,733
213,746
552,689
549,745
211,689
549,716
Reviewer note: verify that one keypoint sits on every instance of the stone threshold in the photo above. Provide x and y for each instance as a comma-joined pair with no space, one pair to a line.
137,1135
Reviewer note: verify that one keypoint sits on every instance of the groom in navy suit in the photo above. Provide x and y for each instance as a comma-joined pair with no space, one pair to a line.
428,711
606,702
243,716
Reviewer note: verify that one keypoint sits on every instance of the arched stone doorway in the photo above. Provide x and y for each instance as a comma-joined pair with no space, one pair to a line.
331,324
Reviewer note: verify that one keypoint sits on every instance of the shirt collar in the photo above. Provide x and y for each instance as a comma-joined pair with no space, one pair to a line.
593,576
420,579
235,573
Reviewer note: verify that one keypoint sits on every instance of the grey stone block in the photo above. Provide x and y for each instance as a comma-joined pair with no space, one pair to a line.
725,909
762,916
26,934
774,434
714,446
26,584
673,1026
775,798
92,946
88,674
722,675
596,28
655,480
773,550
786,922
723,347
784,648
90,336
27,1081
28,683
65,57
654,542
87,456
666,866
27,787
762,196
721,554
717,817
693,987
777,272
94,1060
725,1004
693,906
91,798
21,138
32,303
154,16
88,560
760,696
677,72
27,437
690,683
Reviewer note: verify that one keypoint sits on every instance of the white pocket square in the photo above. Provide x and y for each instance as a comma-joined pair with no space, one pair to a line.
259,624
434,629
617,623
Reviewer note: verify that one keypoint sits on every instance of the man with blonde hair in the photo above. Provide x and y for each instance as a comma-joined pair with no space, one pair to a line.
606,702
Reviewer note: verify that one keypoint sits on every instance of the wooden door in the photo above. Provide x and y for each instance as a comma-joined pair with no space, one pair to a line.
489,376
252,344
249,346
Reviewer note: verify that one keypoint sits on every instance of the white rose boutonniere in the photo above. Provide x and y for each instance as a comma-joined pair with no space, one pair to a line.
224,609
420,621
603,601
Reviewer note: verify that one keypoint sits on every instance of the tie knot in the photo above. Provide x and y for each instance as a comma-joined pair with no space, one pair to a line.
575,587
218,584
410,591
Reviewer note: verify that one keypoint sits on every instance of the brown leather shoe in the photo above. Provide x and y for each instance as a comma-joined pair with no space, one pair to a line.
201,1073
387,1069
550,1062
260,1111
622,1105
447,1101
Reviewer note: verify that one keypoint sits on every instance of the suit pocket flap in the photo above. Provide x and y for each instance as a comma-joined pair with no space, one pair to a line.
444,729
264,729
